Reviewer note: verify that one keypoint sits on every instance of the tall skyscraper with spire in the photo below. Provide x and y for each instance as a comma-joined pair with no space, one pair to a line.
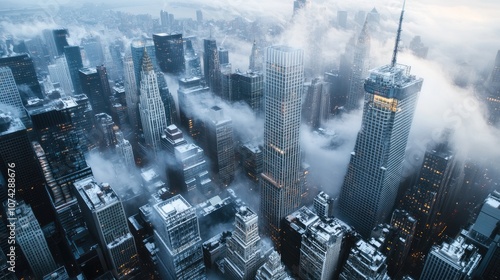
360,69
151,106
374,171
280,188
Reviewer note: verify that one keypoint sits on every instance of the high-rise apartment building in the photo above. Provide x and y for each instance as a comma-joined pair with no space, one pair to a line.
169,52
104,215
455,260
244,254
220,145
177,237
29,236
151,107
280,188
374,172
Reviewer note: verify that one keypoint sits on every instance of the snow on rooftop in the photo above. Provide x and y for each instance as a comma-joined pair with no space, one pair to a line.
174,205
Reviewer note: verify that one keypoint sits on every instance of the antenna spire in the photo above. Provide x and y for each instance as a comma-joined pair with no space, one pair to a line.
398,37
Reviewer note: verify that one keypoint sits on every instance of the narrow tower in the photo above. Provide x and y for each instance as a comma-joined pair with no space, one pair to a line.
374,171
280,188
151,107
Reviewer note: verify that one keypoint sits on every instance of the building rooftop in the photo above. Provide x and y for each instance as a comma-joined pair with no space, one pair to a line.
172,206
95,196
148,174
211,205
392,82
88,70
252,147
141,43
56,104
302,218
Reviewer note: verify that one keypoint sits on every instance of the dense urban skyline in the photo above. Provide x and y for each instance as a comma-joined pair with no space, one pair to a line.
233,140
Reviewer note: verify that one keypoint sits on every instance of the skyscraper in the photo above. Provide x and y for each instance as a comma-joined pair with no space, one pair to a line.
169,52
435,188
151,107
59,73
75,63
24,74
177,236
360,66
485,234
131,92
455,260
9,94
192,60
248,87
138,48
320,250
30,238
211,65
365,262
60,40
273,269
124,149
293,229
95,89
255,60
280,188
104,214
15,147
243,247
220,145
93,51
493,92
63,127
374,171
